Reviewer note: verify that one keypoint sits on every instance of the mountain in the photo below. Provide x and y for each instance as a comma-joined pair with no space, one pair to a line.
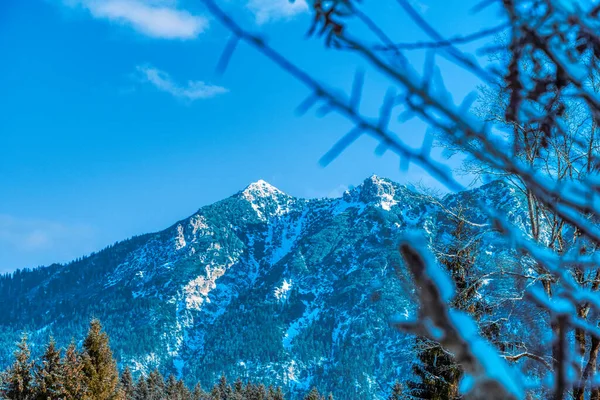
264,285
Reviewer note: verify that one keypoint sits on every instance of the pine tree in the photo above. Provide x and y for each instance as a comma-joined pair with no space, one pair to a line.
278,395
238,386
141,390
73,376
223,390
254,392
437,372
238,390
396,392
261,391
156,386
215,393
127,385
199,393
99,366
182,390
314,395
49,378
250,391
17,381
270,392
176,389
171,387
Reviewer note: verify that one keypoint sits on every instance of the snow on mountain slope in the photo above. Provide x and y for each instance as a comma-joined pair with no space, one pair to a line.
261,284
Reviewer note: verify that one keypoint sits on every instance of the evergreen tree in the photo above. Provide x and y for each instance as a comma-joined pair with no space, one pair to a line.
314,395
49,378
176,389
127,385
396,392
73,376
141,390
183,393
270,392
99,366
17,381
215,393
223,390
437,372
249,391
156,386
171,387
261,392
238,390
199,393
278,395
238,386
255,392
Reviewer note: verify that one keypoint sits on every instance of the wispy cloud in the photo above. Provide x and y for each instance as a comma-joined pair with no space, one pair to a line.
420,6
332,193
338,191
192,90
32,242
156,19
271,10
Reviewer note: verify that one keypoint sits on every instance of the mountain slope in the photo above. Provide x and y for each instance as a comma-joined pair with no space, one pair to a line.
261,284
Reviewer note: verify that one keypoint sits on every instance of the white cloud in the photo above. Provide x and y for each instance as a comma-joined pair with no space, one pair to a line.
271,10
157,19
192,90
337,191
31,242
33,234
420,6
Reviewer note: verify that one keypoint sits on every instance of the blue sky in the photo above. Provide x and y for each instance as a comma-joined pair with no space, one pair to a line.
114,122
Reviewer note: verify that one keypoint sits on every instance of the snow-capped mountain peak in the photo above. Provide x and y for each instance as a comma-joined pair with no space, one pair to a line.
380,191
266,200
261,188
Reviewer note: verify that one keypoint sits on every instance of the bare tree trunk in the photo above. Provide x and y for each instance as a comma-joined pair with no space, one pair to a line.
559,349
535,229
589,371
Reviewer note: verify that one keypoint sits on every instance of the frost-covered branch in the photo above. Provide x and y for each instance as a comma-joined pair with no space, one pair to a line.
488,376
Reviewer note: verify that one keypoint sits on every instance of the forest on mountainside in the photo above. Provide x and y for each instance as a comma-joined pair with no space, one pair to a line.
92,374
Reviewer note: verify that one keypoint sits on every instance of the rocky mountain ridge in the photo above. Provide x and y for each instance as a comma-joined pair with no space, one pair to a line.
261,284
